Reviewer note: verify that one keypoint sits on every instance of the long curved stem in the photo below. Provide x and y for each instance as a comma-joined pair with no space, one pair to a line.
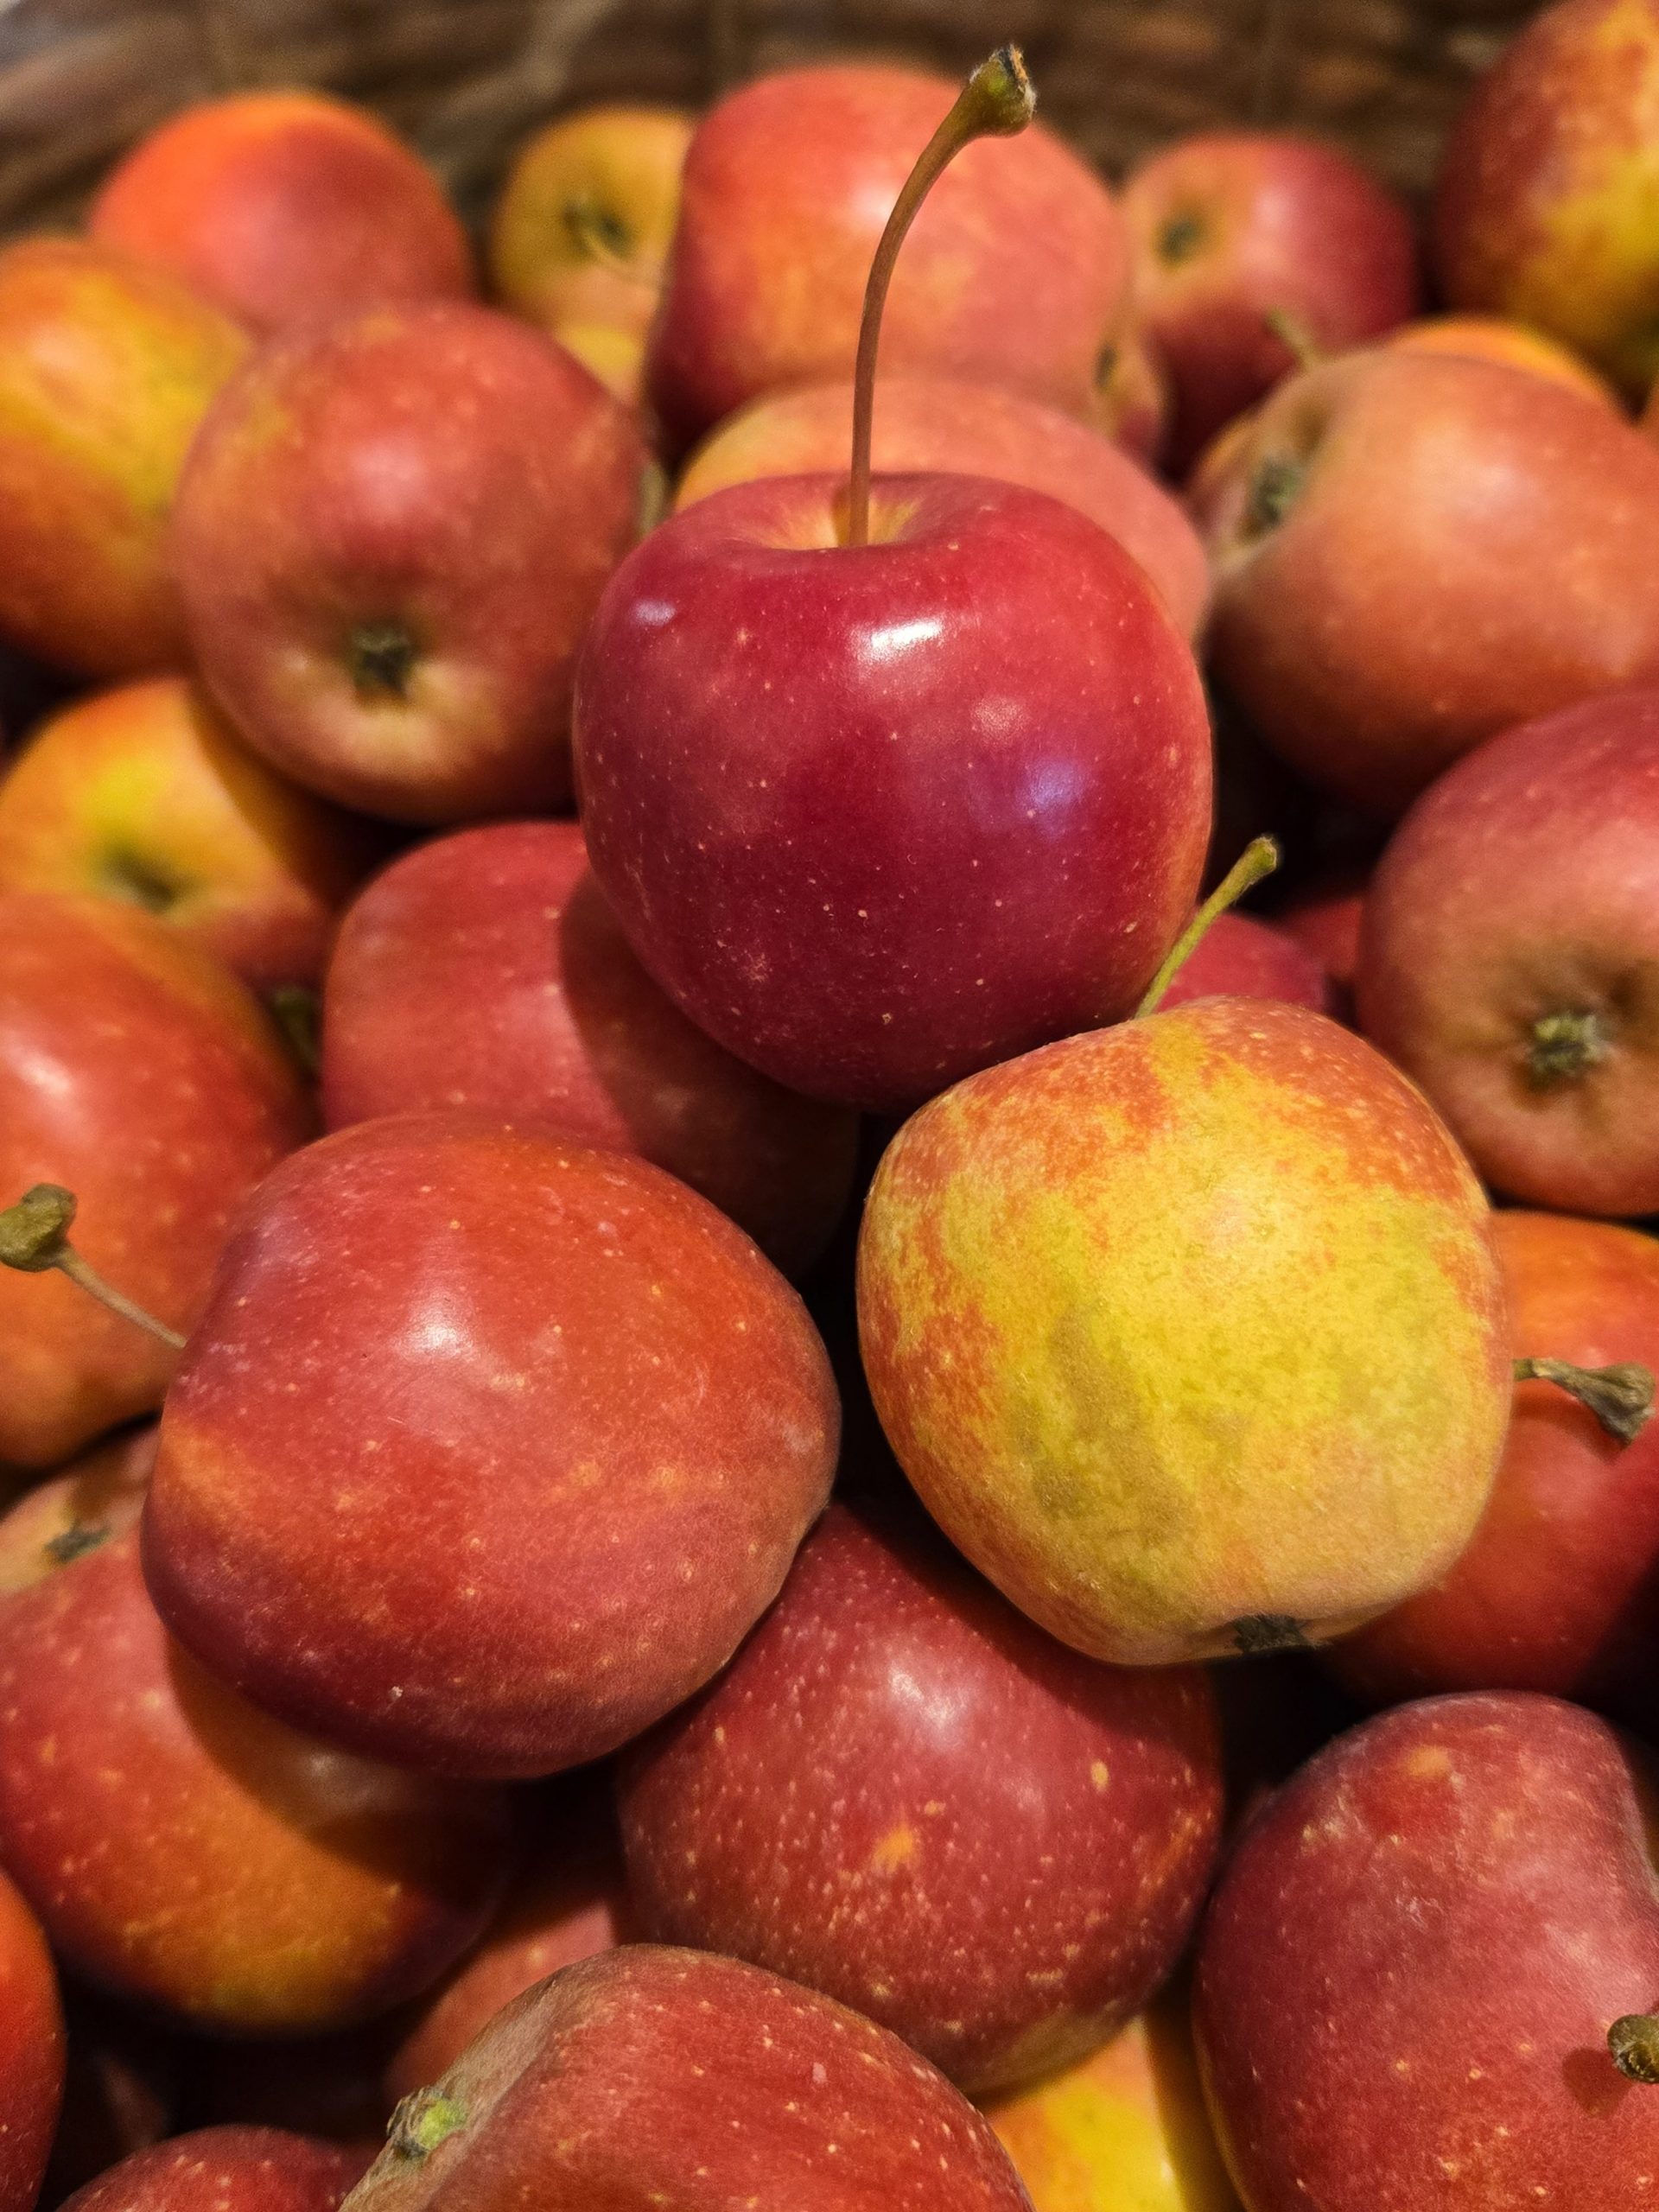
1259,858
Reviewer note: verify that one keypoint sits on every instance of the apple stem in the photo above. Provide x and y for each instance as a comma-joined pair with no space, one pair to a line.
1259,858
422,2121
35,1235
1634,2042
997,101
1297,339
1620,1397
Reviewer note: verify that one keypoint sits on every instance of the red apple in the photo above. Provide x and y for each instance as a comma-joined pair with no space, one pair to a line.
137,1072
1231,231
488,1449
875,816
225,2169
106,368
941,422
1015,275
1015,1840
486,970
675,2078
1407,1977
1414,551
1323,915
1489,338
285,207
144,793
441,493
1133,401
99,1495
1240,957
1509,955
31,2053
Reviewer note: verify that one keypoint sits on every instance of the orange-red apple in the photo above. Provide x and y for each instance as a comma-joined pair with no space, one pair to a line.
31,2052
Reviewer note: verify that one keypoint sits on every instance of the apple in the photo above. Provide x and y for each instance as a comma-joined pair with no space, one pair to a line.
327,2086
100,1493
1017,276
441,493
31,2052
485,970
140,1073
648,2076
284,208
1008,1884
106,368
1232,233
188,1852
1133,401
144,793
1240,957
1509,955
225,2169
1323,914
580,236
1391,537
1408,1974
1544,205
1190,1333
487,1450
943,424
1489,338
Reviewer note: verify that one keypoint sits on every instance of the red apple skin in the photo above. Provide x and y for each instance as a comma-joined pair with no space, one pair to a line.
923,424
1015,273
1559,1590
144,1078
187,1851
1232,227
1398,611
487,970
99,1495
31,2052
1017,1840
106,368
1324,913
1408,1974
768,723
441,474
284,208
225,2169
1133,401
1240,957
617,1418
1522,889
650,2076
144,793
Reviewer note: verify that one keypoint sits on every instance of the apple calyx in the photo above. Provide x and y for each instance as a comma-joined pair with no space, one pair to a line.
1620,1397
1258,1633
1180,236
34,1237
997,101
75,1542
1634,2042
297,1011
1259,858
1275,486
1564,1047
601,234
381,656
127,875
423,2120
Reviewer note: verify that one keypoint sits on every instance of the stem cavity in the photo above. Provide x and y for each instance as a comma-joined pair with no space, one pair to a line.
34,1237
1260,1632
381,656
1620,1397
1259,858
1634,2042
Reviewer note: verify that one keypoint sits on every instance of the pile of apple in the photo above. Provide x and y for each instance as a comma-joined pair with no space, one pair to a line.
670,1274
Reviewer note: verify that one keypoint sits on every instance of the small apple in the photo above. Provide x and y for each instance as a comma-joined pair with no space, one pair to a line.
1322,913
225,2169
1242,957
31,2052
1133,402
1513,345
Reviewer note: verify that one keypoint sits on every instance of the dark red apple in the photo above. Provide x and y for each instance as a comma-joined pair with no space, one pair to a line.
31,2052
1509,955
1408,1979
659,2078
1239,956
225,2169
903,1793
488,1449
486,969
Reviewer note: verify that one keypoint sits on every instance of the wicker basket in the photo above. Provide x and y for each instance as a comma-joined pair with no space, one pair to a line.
79,79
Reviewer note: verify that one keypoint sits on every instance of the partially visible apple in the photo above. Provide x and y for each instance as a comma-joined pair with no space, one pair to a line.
225,2169
1240,957
122,2090
1133,402
1513,345
31,2052
1322,913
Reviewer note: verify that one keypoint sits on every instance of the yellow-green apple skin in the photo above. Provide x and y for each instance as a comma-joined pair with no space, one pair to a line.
1191,1333
1124,2129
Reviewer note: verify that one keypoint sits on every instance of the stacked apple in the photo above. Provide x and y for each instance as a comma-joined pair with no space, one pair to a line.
590,800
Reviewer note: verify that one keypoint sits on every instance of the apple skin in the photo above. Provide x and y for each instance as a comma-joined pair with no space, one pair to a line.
649,2076
486,970
100,1494
1559,1590
1017,1841
439,476
767,723
1407,1976
31,2052
1323,914
285,208
189,1852
1231,227
924,423
1133,401
1124,2129
1239,956
1190,1333
1014,273
106,368
147,1079
225,2169
1512,345
1521,890
617,1418
1543,210
145,793
1381,604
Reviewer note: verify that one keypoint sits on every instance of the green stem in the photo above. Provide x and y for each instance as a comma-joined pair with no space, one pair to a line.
34,1237
1259,858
